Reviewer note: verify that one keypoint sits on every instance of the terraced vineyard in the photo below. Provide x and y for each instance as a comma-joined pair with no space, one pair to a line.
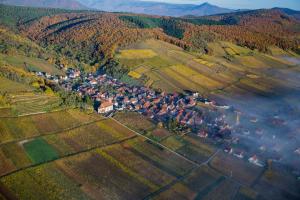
29,103
173,69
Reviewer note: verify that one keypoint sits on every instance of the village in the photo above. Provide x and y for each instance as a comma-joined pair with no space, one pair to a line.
111,95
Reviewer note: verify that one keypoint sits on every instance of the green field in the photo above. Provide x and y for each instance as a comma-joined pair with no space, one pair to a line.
40,151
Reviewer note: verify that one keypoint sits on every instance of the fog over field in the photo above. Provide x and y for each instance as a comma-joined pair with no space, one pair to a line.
269,123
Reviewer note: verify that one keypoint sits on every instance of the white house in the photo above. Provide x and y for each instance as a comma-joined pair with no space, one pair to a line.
105,107
254,160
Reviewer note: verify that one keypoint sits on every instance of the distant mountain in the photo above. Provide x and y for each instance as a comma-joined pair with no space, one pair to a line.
67,4
154,8
290,12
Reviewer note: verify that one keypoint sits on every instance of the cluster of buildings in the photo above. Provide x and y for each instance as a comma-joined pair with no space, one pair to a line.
113,95
240,154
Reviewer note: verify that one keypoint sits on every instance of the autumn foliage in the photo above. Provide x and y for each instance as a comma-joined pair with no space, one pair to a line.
92,37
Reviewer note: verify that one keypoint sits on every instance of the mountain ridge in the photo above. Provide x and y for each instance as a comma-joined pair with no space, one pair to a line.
64,4
155,8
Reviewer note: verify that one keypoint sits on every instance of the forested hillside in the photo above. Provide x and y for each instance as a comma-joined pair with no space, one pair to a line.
92,37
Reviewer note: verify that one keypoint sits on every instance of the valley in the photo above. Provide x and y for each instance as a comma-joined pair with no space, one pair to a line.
102,105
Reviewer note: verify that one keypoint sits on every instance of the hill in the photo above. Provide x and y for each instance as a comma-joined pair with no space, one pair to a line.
76,34
67,4
15,16
290,12
155,8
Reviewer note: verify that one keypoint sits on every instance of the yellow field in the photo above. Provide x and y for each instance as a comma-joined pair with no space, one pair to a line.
233,49
137,53
149,83
252,76
141,69
134,74
186,84
204,62
184,70
217,48
251,62
230,51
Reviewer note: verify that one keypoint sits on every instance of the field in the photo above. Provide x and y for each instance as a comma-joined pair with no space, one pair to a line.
189,146
178,191
7,85
173,69
40,151
28,103
137,53
162,69
226,191
19,128
6,112
43,182
199,184
32,64
6,165
85,156
135,121
101,158
241,170
159,134
160,157
246,193
134,74
17,154
279,183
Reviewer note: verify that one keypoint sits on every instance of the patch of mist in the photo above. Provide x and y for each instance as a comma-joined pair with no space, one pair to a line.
268,125
293,60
